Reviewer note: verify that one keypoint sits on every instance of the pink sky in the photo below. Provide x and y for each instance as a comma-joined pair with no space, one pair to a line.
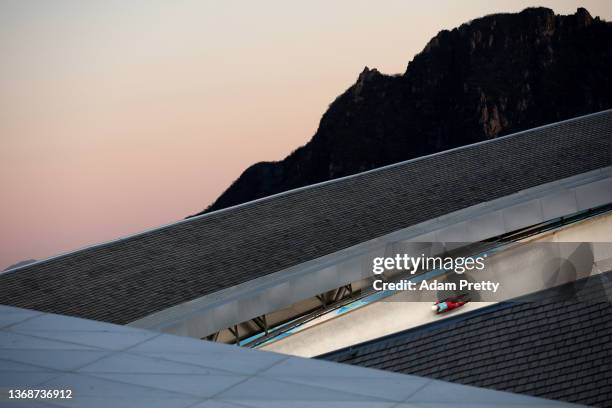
118,116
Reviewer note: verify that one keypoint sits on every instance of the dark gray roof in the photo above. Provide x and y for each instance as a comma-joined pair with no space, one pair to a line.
128,279
554,347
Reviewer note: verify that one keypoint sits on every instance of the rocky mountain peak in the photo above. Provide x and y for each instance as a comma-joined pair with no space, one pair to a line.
492,76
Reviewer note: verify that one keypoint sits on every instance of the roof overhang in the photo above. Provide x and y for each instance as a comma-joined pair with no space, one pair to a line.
209,314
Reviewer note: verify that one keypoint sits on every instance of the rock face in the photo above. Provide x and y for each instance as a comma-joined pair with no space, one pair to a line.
492,76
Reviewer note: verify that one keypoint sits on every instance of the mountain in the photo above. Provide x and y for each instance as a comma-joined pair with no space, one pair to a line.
495,75
20,264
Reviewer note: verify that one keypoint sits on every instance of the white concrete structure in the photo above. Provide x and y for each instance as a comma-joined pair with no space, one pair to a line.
105,365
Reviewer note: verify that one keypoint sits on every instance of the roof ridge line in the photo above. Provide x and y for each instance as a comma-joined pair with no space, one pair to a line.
295,190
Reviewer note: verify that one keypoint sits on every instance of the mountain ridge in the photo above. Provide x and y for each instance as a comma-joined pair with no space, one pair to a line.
492,76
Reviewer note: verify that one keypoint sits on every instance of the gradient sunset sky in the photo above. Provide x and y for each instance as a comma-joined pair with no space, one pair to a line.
118,116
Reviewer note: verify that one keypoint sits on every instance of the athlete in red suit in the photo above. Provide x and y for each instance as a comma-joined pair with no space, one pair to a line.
443,306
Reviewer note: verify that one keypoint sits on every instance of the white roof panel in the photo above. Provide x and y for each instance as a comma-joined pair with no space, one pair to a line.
106,365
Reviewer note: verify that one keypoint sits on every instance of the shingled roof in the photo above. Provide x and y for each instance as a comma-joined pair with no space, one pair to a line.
547,345
128,279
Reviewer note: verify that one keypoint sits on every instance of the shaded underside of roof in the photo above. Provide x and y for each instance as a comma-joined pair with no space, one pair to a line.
557,347
125,280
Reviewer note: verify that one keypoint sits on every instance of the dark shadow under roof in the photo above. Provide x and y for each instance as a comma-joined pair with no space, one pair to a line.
128,279
554,346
